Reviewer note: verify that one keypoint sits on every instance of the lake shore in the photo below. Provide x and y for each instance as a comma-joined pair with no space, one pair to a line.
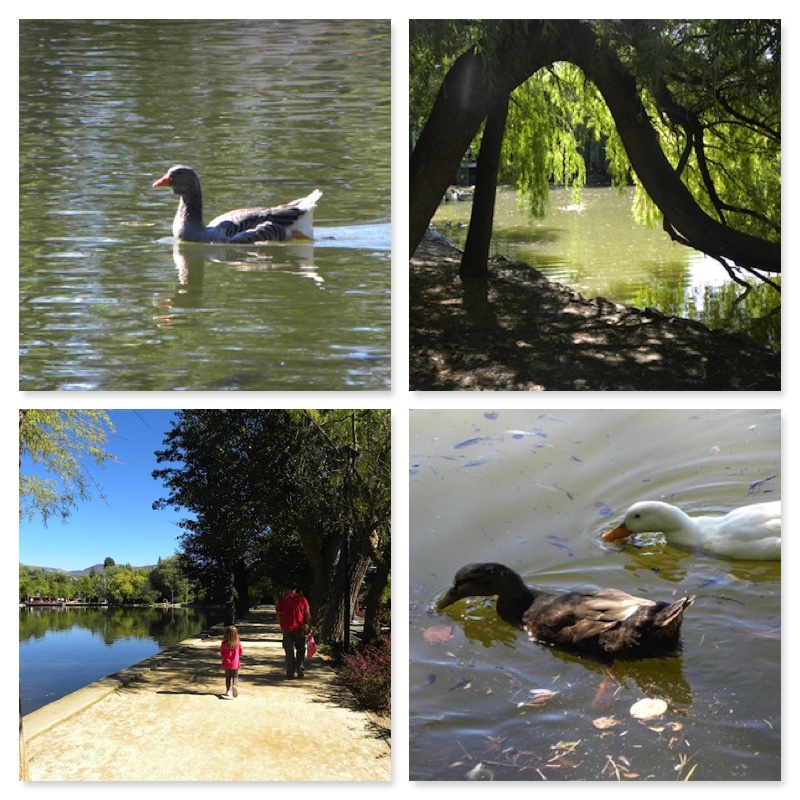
527,333
165,720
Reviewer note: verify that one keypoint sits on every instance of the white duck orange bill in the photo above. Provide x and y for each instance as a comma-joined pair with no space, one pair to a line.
620,532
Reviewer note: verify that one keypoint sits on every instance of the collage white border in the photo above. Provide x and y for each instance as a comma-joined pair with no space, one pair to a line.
399,399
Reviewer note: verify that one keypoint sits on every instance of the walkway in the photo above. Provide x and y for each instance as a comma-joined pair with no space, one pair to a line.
165,720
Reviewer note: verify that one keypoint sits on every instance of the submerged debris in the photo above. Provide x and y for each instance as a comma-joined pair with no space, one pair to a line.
438,634
480,773
648,708
537,697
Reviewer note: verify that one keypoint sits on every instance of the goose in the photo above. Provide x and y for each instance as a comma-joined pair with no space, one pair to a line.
752,532
243,226
608,623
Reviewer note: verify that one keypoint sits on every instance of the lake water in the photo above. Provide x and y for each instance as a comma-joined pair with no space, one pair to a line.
597,248
62,650
534,489
265,112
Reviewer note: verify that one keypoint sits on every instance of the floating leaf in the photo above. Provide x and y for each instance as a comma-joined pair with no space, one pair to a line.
605,722
536,697
565,745
690,772
438,634
480,773
469,442
648,708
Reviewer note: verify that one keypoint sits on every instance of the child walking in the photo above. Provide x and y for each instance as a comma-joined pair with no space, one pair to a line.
231,651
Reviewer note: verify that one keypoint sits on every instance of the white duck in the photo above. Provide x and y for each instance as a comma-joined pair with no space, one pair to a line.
751,532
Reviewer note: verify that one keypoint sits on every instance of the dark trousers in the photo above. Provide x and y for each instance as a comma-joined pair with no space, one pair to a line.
231,677
294,645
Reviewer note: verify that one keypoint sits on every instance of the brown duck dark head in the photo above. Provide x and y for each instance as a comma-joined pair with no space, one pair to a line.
488,580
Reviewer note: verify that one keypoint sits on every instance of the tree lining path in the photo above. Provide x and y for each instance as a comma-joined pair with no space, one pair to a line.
534,335
165,720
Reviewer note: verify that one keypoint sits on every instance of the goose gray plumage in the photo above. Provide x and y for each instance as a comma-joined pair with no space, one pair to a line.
608,623
243,226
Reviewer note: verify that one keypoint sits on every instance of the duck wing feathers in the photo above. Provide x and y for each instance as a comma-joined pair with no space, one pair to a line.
609,622
248,225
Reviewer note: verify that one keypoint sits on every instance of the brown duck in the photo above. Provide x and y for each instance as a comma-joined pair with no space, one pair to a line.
607,623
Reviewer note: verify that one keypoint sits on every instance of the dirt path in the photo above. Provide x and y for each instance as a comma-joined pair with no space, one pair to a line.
536,335
171,724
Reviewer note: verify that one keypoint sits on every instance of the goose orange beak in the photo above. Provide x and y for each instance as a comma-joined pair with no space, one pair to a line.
165,181
620,532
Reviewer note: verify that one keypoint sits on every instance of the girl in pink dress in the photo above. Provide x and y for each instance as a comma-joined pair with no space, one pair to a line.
231,651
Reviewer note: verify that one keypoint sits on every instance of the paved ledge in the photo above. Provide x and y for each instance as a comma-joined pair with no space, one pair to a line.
164,720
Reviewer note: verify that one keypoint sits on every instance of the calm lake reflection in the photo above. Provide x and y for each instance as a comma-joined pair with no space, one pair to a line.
534,490
264,111
597,248
62,650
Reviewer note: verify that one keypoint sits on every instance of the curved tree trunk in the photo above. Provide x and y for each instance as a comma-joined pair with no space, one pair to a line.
468,94
470,90
684,219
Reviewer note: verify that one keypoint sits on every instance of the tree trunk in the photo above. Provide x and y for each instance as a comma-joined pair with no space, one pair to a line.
470,90
684,219
241,593
476,251
333,623
230,598
468,94
372,622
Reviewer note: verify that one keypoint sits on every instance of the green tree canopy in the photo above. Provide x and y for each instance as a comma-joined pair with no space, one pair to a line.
65,443
687,109
267,486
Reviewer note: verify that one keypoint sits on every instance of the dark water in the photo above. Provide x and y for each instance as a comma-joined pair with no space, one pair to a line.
598,249
265,112
534,489
63,650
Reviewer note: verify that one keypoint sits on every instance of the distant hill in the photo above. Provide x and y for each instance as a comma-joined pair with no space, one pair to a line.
78,572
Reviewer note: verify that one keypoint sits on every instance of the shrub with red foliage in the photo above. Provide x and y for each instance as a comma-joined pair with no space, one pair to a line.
368,674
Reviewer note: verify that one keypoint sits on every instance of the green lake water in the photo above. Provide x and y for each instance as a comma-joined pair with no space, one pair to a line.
265,112
596,247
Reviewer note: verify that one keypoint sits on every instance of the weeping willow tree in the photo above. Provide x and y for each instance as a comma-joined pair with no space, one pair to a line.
63,443
687,111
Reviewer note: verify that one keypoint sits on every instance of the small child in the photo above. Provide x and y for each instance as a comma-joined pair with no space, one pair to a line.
231,651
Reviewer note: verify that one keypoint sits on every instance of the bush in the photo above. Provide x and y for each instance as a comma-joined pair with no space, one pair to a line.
368,674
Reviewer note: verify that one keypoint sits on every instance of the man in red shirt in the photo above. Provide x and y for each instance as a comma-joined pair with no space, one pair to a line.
294,616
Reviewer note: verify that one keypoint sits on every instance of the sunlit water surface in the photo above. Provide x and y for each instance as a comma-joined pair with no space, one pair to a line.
596,247
62,650
534,489
265,111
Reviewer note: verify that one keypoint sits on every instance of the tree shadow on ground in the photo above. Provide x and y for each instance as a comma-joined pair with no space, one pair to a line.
523,332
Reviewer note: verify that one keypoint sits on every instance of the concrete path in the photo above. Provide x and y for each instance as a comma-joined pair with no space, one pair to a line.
165,720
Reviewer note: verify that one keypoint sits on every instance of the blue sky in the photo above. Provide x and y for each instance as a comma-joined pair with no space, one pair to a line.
124,526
